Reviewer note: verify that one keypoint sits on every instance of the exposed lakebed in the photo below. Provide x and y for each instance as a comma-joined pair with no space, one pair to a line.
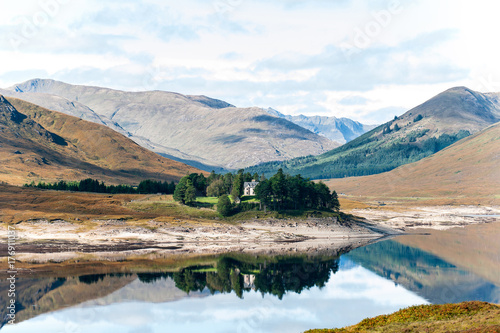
236,292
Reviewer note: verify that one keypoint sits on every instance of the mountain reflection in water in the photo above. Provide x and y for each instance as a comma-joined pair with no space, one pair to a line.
258,293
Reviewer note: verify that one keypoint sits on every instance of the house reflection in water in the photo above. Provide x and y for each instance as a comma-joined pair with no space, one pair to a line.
249,281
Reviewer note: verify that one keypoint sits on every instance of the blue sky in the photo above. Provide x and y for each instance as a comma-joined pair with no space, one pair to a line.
366,60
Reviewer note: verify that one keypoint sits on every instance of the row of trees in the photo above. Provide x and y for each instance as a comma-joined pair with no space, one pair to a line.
93,185
215,185
283,191
364,156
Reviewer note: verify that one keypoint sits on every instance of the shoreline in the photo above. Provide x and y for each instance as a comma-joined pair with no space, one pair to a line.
411,218
42,241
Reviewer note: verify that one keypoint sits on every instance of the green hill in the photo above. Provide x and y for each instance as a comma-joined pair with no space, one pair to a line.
420,132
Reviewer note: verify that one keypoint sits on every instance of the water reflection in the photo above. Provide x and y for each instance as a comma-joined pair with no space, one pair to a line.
274,276
248,293
349,295
424,273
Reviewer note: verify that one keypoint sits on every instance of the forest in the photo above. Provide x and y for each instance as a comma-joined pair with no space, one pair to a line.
364,156
279,192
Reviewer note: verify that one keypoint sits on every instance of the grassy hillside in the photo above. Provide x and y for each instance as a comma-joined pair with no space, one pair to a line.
467,169
421,132
470,317
39,144
196,129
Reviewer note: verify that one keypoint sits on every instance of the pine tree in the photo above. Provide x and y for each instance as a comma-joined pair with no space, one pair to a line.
224,206
190,193
180,189
237,189
335,204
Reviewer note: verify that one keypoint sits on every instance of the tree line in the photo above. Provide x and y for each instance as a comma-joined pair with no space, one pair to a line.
93,185
285,192
364,155
215,185
280,192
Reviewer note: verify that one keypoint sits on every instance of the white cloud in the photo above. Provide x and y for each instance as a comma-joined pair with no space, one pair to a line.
349,296
289,55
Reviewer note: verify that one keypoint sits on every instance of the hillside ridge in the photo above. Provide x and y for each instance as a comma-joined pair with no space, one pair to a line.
38,144
210,132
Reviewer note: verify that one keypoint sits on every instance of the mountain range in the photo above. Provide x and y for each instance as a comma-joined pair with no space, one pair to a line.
420,132
40,144
201,131
467,169
341,130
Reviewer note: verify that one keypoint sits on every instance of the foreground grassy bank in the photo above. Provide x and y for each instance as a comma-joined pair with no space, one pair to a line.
477,317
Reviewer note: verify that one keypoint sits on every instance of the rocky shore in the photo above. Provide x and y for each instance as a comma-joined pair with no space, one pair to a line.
57,241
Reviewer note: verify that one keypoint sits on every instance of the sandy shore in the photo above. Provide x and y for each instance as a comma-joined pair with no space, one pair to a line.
42,241
433,217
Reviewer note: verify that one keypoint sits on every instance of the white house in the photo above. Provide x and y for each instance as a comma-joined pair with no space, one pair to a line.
249,188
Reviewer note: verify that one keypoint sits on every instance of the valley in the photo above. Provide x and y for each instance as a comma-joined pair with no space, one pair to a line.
207,133
418,133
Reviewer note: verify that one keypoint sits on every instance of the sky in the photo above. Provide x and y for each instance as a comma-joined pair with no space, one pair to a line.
348,297
367,60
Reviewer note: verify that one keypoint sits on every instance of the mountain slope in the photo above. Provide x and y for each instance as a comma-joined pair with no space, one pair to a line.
61,104
341,130
469,169
39,144
420,132
205,130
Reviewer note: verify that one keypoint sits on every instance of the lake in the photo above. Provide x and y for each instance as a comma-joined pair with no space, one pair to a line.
248,293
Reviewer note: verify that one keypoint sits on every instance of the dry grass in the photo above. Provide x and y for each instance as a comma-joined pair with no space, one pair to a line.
463,317
90,150
19,204
464,173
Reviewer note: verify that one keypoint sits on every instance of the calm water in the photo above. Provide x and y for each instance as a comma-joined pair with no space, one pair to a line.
244,293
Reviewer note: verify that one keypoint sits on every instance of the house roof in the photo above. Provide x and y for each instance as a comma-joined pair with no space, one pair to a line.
250,184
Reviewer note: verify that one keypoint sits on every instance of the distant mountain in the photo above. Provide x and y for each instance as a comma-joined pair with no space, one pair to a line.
468,169
198,130
341,130
420,132
39,144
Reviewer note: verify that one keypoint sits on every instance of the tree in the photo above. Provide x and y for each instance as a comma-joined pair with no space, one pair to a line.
224,206
263,192
278,185
216,188
237,189
190,194
335,204
228,182
396,127
180,189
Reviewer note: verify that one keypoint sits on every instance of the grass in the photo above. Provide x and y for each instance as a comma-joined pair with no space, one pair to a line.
296,214
19,204
464,173
210,200
462,317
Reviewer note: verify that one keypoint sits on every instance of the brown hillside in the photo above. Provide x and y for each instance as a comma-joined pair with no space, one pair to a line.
199,130
468,169
39,144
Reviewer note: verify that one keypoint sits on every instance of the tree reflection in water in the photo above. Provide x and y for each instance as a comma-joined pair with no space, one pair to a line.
273,276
